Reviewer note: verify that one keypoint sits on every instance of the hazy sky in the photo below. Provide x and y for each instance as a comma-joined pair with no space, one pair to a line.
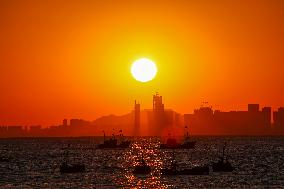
71,59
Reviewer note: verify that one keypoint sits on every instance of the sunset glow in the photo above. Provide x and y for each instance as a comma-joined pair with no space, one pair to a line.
66,60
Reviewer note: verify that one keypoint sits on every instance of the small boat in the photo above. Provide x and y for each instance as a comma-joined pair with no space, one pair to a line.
110,143
66,167
113,143
222,165
142,169
173,144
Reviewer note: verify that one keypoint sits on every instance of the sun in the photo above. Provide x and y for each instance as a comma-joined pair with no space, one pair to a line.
144,70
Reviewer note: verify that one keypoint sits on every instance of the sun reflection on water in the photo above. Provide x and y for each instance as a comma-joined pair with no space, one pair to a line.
152,156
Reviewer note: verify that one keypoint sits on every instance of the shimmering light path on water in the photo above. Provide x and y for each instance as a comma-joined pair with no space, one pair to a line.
34,163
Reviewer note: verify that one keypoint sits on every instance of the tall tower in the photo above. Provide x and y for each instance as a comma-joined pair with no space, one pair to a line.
158,123
158,103
136,119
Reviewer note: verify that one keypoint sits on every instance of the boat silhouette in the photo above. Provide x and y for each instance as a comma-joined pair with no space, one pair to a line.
142,168
173,144
113,143
222,165
67,167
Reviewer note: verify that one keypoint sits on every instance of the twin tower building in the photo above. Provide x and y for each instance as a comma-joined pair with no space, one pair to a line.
156,121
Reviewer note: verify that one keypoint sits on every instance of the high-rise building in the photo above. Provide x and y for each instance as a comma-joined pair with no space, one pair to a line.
253,107
158,118
65,122
266,112
278,121
158,103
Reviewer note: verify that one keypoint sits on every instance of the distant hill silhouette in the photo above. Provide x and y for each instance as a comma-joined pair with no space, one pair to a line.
112,119
113,123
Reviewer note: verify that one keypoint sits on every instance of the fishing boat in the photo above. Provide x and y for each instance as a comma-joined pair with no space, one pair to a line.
173,144
222,165
142,168
67,167
113,143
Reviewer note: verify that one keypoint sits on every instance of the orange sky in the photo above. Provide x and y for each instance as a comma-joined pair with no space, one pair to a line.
71,59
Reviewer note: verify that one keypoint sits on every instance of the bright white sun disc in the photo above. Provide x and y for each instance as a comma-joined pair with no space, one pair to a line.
143,70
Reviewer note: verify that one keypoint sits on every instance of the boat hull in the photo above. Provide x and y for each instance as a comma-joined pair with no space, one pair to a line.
142,170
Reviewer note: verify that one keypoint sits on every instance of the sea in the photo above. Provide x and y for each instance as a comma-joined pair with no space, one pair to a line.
34,163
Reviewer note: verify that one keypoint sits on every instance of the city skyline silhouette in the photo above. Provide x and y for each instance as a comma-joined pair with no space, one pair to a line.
161,122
